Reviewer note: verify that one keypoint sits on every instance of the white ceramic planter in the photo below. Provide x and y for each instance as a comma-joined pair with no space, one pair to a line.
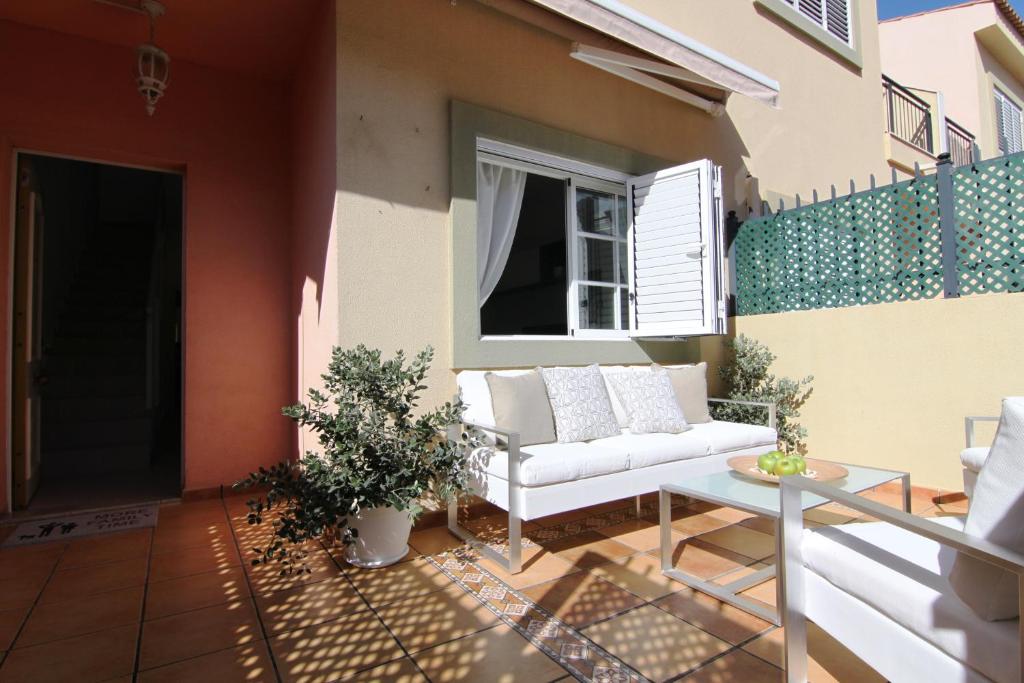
383,537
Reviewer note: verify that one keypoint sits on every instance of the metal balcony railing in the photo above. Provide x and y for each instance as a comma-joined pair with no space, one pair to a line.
960,143
909,117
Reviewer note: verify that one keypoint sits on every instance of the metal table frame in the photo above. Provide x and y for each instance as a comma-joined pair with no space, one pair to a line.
729,593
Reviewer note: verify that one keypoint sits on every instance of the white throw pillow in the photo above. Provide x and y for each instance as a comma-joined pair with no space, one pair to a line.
649,401
997,515
580,403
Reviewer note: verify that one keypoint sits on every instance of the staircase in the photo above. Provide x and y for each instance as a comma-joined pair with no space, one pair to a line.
94,413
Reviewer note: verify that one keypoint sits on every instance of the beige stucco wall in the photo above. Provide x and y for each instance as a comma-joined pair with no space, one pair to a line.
893,382
402,63
829,127
939,51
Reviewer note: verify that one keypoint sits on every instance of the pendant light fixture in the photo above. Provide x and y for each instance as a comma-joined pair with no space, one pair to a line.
153,64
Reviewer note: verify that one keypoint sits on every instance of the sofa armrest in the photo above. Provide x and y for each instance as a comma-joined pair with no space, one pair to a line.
969,422
792,489
772,408
790,568
513,445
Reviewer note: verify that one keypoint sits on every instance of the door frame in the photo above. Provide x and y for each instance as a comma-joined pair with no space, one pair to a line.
179,169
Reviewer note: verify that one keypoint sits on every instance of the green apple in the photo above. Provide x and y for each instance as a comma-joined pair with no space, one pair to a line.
766,462
785,467
801,464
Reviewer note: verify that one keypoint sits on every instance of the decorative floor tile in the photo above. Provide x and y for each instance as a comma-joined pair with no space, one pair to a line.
541,628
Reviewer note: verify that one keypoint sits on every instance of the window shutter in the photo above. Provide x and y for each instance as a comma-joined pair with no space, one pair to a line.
831,15
675,245
837,19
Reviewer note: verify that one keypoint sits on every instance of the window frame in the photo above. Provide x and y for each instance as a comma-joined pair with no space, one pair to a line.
577,175
850,50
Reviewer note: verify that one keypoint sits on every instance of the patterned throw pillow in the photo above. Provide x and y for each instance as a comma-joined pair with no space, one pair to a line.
649,401
580,403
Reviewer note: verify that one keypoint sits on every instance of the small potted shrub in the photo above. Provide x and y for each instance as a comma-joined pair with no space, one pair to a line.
379,454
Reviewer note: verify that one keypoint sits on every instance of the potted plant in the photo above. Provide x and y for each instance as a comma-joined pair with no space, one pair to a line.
379,454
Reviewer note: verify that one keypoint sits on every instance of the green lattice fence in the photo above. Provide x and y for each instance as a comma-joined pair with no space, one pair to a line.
989,203
885,245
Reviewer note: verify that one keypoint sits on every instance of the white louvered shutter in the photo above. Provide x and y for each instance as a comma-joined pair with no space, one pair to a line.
1009,126
831,15
675,245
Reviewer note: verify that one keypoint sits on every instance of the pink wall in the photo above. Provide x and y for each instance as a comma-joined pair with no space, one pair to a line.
314,185
229,134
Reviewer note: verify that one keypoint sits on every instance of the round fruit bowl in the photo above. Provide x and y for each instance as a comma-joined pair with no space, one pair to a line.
820,470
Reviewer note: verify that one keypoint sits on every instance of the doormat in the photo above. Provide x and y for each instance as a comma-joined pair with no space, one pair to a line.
71,526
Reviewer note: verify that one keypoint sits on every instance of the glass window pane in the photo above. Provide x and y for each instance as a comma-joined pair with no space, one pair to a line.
530,296
596,260
623,266
623,225
624,307
597,307
595,211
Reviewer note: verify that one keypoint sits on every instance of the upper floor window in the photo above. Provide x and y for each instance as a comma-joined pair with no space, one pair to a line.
831,15
1009,128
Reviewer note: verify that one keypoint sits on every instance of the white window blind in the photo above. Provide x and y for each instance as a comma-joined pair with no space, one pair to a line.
1009,127
831,15
675,252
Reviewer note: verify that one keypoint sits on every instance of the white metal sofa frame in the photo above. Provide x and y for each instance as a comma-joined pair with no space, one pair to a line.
513,562
794,616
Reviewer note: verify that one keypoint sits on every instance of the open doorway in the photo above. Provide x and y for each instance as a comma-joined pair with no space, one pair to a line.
96,393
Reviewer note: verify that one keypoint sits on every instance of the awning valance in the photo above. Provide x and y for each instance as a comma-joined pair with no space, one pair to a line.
684,58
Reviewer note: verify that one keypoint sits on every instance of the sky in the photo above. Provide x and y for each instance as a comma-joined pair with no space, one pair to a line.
897,8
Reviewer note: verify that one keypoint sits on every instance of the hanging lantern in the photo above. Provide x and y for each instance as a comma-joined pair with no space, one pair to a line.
153,66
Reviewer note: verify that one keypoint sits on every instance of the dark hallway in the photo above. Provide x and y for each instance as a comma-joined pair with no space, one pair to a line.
109,298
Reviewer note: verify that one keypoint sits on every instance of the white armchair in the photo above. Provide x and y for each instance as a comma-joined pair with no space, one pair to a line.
882,589
972,457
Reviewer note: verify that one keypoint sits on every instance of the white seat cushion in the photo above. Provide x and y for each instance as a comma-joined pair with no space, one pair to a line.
729,436
653,449
906,578
553,463
996,515
974,458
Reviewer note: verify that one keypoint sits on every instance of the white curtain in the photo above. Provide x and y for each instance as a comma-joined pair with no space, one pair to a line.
499,198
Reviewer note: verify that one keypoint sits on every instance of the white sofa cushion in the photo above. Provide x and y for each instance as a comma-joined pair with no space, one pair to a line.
906,578
997,515
649,401
521,405
730,436
580,403
974,458
553,463
690,386
646,450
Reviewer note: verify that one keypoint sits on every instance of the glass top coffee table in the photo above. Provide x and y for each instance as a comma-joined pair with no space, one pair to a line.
734,490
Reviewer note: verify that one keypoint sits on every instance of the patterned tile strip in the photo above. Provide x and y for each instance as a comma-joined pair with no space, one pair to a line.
584,659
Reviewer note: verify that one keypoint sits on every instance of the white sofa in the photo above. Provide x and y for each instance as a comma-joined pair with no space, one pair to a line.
972,457
882,589
545,479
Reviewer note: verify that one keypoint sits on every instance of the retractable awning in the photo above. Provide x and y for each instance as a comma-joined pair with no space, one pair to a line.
682,58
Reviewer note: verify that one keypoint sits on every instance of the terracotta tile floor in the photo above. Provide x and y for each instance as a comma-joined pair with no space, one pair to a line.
182,602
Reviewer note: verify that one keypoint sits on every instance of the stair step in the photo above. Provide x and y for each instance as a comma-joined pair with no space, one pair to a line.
94,407
103,386
79,434
127,458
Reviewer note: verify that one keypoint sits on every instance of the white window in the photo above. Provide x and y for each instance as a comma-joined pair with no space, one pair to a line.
567,249
1009,128
831,15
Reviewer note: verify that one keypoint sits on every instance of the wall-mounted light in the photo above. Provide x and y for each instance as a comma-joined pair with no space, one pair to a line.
153,65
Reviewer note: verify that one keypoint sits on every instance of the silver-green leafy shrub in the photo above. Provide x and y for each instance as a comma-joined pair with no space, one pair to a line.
747,378
378,448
